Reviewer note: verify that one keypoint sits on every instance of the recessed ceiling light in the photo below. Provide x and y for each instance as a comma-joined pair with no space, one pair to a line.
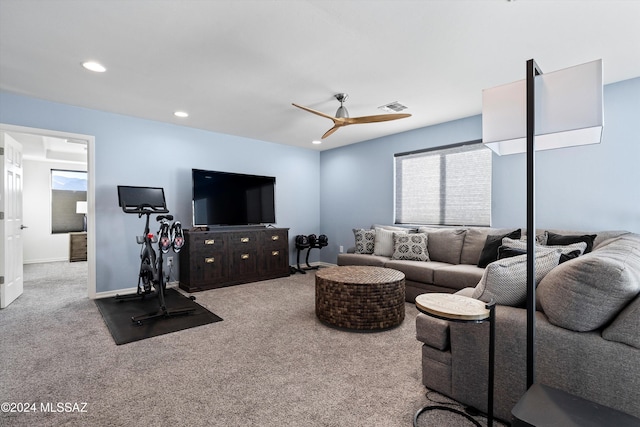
316,142
94,66
181,114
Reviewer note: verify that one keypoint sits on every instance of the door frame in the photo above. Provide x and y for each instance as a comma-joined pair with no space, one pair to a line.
91,224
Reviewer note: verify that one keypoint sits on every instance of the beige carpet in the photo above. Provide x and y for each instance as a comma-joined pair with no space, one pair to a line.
269,363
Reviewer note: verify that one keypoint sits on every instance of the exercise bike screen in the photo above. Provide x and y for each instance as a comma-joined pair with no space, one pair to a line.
133,197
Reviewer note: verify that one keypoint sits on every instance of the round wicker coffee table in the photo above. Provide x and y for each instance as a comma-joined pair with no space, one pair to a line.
360,297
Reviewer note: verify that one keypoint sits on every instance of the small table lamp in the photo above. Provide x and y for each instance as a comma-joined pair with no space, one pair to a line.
81,208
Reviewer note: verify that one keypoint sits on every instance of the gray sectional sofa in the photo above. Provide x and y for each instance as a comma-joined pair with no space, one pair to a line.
453,257
587,324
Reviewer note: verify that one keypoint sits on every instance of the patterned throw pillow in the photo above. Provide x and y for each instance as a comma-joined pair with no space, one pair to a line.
410,247
505,280
365,240
567,252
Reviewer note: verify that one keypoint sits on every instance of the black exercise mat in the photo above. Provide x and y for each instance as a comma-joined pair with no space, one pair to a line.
117,315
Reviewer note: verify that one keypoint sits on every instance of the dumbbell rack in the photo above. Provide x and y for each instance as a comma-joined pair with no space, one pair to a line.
308,243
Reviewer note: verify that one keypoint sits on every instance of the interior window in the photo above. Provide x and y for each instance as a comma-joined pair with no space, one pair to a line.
67,189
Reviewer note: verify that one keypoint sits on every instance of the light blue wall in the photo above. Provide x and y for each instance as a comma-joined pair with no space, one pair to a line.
131,151
581,188
593,187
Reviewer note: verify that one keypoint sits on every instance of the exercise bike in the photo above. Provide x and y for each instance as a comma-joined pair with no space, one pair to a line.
151,279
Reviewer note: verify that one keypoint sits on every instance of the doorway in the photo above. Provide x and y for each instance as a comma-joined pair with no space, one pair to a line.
64,147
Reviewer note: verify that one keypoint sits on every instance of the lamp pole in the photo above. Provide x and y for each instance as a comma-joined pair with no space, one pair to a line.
532,71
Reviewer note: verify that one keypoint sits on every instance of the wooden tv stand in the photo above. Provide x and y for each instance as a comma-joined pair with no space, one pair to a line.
216,258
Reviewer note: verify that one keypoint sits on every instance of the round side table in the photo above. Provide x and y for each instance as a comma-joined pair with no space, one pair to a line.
458,308
360,297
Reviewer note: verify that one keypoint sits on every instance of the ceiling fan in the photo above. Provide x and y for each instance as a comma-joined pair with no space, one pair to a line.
342,116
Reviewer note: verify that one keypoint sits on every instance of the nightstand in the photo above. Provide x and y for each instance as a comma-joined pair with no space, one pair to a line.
77,246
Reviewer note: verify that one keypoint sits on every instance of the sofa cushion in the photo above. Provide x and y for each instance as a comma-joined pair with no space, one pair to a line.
362,259
444,244
505,280
433,332
588,292
457,276
466,292
559,239
365,240
384,245
416,271
492,243
410,246
626,327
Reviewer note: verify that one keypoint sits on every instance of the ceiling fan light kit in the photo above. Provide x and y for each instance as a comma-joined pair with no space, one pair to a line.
342,111
342,116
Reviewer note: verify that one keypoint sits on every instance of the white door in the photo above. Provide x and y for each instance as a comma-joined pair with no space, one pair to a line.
10,219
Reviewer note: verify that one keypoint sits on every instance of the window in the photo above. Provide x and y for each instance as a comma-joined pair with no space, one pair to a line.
67,188
446,186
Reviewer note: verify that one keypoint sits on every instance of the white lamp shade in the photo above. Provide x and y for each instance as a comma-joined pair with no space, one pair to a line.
81,207
568,112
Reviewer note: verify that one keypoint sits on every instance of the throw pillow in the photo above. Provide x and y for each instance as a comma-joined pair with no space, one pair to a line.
567,252
444,244
492,243
384,245
507,252
410,246
505,280
559,239
365,240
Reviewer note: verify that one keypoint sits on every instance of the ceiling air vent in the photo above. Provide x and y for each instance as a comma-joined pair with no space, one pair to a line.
393,107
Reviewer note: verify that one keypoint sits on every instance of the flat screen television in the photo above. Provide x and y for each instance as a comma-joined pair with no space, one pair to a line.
224,198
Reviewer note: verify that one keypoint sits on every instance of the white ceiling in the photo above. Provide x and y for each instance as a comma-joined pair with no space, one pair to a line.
236,66
51,149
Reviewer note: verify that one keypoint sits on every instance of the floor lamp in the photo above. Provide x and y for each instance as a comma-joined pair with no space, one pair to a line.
545,111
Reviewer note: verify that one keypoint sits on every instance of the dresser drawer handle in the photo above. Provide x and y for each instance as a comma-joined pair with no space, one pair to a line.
275,253
209,260
244,239
244,256
275,237
210,242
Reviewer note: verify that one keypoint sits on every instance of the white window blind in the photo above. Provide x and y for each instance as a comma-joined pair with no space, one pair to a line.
449,186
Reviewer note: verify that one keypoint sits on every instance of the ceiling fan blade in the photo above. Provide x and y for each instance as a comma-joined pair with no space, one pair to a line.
314,112
330,131
377,118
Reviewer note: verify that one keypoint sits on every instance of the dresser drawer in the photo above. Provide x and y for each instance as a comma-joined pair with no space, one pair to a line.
203,242
239,241
275,239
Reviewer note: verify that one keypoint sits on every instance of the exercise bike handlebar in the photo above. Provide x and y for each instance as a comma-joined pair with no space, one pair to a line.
145,208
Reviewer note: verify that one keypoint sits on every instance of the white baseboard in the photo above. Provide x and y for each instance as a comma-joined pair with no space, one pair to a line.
40,261
126,291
